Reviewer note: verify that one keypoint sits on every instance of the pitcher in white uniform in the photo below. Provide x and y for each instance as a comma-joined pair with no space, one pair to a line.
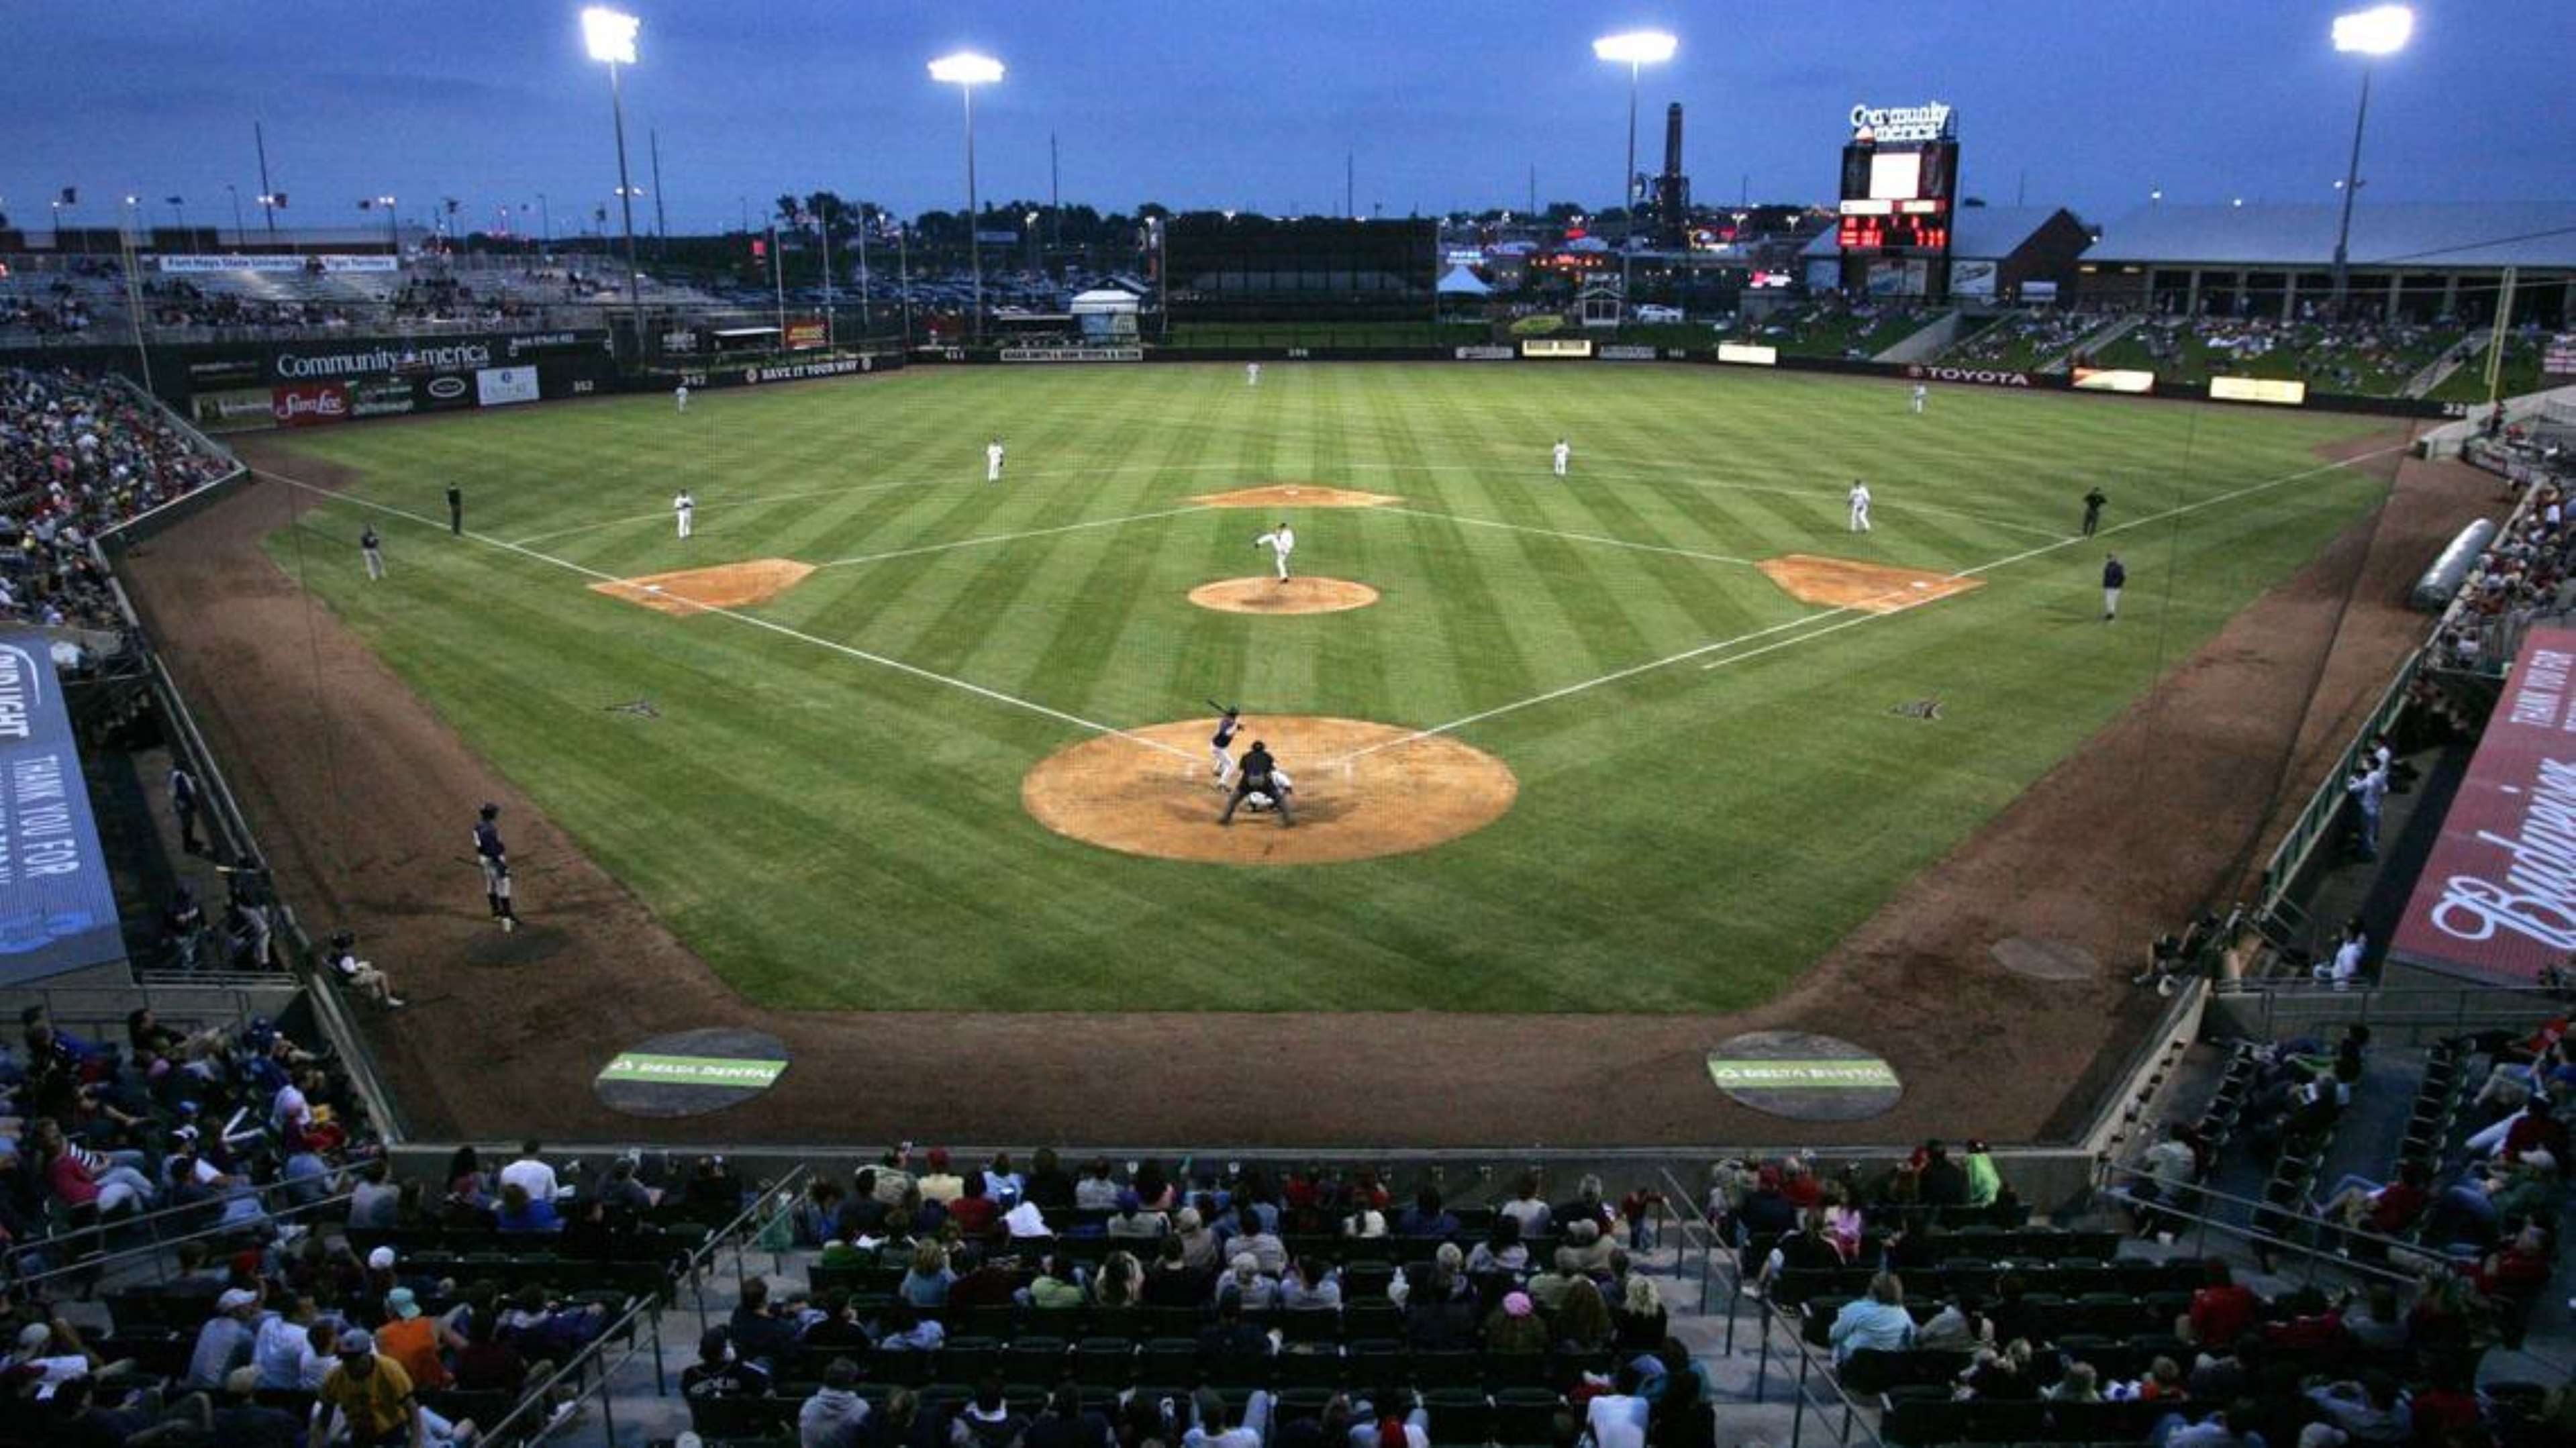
1859,506
1281,542
1561,455
684,511
993,461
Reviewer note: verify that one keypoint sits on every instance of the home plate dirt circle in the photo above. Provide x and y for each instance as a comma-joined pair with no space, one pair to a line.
1269,595
1120,792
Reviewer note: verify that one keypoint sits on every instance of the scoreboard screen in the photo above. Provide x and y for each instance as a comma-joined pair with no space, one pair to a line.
1895,233
1898,198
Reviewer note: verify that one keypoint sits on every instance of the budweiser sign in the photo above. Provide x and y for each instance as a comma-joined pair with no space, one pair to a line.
2497,900
305,405
1977,376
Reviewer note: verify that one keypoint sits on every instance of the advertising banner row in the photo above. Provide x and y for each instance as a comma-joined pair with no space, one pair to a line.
333,263
312,404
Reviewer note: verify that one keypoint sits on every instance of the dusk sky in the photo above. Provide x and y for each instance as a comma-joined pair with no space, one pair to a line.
1224,103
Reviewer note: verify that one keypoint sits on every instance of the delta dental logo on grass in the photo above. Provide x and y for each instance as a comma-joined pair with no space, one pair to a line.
692,1070
1803,1075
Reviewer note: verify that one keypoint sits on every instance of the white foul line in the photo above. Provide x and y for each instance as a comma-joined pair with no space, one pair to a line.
1009,537
1553,533
754,621
1635,669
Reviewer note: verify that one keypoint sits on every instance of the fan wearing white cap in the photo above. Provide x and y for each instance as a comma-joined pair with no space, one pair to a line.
225,1342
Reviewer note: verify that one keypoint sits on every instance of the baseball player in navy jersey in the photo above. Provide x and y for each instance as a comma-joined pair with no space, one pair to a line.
494,857
1223,741
372,549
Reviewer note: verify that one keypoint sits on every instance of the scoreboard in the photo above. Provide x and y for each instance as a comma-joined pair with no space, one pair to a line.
1900,181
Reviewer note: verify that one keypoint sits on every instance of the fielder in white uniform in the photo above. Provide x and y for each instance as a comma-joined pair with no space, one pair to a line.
1562,454
680,396
993,461
1252,374
1859,506
1279,541
1920,392
684,509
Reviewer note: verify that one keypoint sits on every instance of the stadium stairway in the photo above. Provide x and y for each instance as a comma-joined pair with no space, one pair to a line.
2094,342
2439,370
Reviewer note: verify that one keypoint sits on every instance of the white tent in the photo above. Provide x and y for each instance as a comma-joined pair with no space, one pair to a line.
1106,313
1461,282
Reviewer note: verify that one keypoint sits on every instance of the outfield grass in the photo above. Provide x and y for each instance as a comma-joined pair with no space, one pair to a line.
834,832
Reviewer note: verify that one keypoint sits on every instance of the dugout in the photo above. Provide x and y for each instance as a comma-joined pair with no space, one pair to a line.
1256,268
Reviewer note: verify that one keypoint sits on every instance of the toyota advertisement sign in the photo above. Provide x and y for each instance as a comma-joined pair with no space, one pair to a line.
2497,900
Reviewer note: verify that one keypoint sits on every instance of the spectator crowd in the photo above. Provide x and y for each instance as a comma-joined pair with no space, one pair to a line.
79,456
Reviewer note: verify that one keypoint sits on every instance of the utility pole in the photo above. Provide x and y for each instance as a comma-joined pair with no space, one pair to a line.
1348,208
1533,207
267,196
778,279
1055,198
661,215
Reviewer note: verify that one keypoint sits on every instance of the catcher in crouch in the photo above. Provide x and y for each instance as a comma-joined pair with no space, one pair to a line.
1261,783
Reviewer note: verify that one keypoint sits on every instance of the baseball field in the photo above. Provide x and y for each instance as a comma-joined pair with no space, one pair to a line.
1651,738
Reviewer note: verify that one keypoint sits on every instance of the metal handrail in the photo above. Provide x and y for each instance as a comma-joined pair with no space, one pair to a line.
541,1396
2468,1007
91,1266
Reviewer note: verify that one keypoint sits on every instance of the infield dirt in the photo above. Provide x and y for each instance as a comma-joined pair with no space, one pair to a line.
1275,596
1410,792
1295,495
505,1033
725,585
1868,587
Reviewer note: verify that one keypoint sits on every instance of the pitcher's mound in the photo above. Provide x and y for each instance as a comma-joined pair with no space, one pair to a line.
1295,495
1124,795
695,590
1269,595
1869,587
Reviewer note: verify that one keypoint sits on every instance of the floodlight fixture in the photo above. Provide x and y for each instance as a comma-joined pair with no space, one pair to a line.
1637,47
966,68
2380,30
610,34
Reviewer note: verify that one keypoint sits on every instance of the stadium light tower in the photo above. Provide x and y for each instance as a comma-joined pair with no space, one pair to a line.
1635,49
967,70
2382,30
610,35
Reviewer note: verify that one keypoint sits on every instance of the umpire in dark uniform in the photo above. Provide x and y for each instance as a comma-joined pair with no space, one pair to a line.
1253,776
455,510
2093,501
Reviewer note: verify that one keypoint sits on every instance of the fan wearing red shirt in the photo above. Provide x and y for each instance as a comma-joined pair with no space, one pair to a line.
975,1214
2221,1310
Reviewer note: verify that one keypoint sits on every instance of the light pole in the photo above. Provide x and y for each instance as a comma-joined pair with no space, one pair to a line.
610,35
2370,34
1636,49
545,224
393,230
239,239
968,70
